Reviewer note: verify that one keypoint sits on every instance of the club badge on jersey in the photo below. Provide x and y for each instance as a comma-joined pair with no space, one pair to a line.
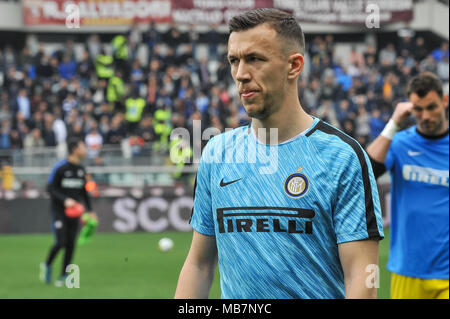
296,185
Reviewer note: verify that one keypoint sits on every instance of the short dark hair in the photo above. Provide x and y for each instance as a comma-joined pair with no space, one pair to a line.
284,24
72,144
424,83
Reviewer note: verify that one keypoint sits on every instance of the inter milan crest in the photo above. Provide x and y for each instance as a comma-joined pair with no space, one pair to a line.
296,185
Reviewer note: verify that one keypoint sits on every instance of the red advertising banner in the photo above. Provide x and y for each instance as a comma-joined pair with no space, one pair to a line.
124,12
95,12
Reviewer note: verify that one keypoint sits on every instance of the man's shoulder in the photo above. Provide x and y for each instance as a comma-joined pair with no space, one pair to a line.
404,136
325,137
60,165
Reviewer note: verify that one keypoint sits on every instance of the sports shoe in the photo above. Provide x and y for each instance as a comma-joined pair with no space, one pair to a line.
45,273
61,282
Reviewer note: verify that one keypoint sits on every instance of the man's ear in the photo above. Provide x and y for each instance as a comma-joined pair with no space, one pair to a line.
296,62
445,100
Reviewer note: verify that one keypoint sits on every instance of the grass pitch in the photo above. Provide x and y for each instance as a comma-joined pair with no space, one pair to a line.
114,265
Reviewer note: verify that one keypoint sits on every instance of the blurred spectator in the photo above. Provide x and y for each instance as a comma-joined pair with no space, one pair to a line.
117,131
94,46
34,139
5,139
48,133
420,51
442,69
23,104
356,58
5,114
94,143
388,55
440,53
68,68
376,124
327,112
362,123
15,140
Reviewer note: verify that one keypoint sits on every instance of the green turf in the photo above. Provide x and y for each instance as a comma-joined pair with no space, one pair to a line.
111,266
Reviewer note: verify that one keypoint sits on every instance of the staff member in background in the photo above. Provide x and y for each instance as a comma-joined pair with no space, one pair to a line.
66,185
417,159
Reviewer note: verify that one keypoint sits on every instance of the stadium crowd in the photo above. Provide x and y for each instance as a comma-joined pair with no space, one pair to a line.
108,96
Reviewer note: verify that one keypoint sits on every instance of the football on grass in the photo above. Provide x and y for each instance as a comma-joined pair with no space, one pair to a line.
165,244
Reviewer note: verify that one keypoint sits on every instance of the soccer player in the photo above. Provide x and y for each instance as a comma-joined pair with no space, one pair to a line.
303,222
417,159
66,185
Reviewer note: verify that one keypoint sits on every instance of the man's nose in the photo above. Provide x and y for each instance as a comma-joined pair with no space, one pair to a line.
242,74
426,115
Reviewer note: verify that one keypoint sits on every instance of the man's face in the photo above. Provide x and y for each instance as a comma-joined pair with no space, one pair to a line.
259,68
80,151
429,112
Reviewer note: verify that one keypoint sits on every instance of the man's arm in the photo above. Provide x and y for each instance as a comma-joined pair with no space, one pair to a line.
355,258
380,146
198,270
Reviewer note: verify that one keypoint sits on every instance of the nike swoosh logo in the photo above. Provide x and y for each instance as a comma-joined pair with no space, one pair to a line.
222,183
412,153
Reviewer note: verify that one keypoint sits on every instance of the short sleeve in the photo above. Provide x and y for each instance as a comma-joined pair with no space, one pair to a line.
357,212
202,215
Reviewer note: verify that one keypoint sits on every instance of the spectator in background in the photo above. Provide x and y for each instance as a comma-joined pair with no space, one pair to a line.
94,143
23,104
356,58
388,55
5,114
362,123
428,65
441,52
203,73
327,112
48,134
16,141
117,131
5,138
69,103
34,139
68,68
145,129
344,112
151,37
85,69
420,51
94,46
37,121
21,124
76,131
442,69
328,89
376,124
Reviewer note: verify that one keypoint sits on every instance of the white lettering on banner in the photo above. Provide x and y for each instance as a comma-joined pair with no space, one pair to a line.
153,225
222,4
198,15
123,208
425,175
131,214
109,9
